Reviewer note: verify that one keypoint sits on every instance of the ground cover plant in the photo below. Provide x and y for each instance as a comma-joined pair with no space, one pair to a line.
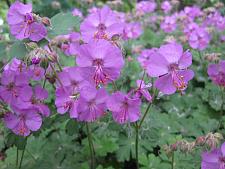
112,84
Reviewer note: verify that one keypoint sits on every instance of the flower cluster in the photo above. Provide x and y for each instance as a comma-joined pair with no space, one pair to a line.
216,73
25,102
210,140
170,65
25,24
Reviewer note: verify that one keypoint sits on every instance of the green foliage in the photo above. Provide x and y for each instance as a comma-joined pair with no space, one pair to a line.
63,143
18,49
63,23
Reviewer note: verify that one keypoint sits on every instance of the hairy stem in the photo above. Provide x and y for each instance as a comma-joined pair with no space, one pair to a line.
172,162
222,97
21,160
90,146
17,156
136,144
146,112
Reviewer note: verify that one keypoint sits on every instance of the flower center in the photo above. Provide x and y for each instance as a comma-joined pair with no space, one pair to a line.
22,129
173,67
11,87
178,80
67,105
123,115
99,75
29,18
100,33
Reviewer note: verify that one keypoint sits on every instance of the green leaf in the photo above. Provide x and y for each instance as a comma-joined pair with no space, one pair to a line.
63,23
18,49
105,145
72,127
125,149
152,38
2,49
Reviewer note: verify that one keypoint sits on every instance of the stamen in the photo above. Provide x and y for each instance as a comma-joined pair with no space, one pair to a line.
99,75
178,81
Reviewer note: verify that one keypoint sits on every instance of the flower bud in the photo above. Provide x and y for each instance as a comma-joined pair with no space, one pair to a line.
35,60
219,5
56,5
2,156
46,21
200,141
31,45
50,78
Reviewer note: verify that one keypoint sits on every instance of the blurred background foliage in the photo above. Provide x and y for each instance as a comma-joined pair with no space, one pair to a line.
62,143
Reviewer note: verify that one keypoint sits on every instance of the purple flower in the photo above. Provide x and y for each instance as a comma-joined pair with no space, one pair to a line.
193,11
214,159
77,12
199,39
33,99
145,56
216,73
15,65
142,90
11,85
22,123
102,24
170,66
37,72
68,91
145,7
166,6
100,61
220,23
121,16
168,24
93,9
132,30
74,43
67,101
22,23
189,28
92,104
124,109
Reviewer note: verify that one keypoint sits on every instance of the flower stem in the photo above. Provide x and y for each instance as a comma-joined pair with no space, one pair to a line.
21,160
17,156
60,67
222,97
136,144
172,162
143,118
90,146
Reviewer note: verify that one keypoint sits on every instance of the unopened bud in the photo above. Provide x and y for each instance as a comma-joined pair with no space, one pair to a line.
56,5
52,57
2,156
200,141
46,21
212,57
35,60
173,147
175,2
31,45
219,5
218,136
50,78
